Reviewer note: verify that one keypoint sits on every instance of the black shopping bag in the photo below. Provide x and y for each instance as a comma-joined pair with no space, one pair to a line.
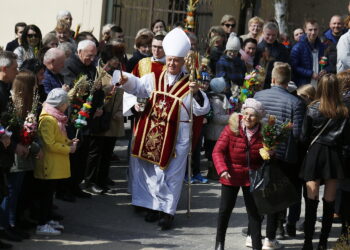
271,189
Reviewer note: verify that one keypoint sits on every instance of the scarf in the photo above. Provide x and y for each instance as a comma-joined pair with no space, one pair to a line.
249,132
247,58
60,117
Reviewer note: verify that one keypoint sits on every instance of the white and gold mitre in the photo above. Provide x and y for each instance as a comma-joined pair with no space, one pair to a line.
176,43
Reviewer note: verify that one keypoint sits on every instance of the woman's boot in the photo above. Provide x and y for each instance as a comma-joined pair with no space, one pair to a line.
327,220
309,224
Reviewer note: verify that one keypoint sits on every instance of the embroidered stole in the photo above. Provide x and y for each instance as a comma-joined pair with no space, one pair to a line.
157,128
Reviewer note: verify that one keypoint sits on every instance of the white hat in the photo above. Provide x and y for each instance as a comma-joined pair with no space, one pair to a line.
256,105
233,43
176,43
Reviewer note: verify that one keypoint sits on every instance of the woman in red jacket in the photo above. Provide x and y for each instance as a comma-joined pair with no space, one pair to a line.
237,151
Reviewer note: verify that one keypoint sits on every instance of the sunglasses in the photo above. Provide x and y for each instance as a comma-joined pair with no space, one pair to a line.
32,35
230,25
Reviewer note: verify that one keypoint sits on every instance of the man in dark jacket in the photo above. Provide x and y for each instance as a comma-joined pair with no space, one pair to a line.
330,40
19,27
54,61
8,145
80,63
306,55
75,66
269,50
8,72
286,107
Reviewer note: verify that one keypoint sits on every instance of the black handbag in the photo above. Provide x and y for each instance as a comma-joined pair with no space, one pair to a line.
103,122
271,189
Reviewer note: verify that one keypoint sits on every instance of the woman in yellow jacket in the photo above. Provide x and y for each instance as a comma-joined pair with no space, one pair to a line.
55,163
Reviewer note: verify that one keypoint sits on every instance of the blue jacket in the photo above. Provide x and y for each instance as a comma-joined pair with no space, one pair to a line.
302,62
232,70
330,37
52,81
285,106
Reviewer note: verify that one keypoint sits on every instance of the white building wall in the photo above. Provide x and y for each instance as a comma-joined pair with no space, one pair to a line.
43,14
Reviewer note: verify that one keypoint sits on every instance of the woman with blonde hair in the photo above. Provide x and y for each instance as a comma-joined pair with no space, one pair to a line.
307,92
228,23
326,131
255,25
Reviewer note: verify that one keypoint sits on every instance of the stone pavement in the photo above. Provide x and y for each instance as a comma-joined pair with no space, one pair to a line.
109,222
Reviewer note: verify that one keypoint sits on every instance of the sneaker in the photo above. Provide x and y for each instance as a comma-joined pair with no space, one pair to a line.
56,225
198,178
248,241
186,179
46,230
271,244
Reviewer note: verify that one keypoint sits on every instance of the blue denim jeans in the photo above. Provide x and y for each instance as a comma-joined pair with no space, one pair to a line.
9,203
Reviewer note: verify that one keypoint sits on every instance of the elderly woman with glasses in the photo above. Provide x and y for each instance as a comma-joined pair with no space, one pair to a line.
30,44
255,26
237,151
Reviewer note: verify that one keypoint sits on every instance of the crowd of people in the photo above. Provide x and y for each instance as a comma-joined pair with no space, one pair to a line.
65,96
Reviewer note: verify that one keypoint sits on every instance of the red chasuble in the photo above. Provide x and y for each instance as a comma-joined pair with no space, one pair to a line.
156,130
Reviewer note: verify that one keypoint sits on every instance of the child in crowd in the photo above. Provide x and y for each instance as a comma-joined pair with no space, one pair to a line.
230,66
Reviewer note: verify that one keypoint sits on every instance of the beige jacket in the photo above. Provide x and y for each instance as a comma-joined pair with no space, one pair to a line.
116,128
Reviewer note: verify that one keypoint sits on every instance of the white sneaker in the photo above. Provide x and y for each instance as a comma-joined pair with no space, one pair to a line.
46,230
248,241
271,244
56,225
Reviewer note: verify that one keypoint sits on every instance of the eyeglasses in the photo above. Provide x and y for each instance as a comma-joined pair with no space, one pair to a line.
32,35
230,25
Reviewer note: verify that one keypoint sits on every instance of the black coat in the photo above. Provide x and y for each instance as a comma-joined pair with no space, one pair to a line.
6,154
73,68
11,46
277,53
336,134
131,63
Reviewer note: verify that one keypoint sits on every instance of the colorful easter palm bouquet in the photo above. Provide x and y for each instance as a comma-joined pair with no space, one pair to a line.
30,125
81,109
76,95
29,129
273,133
253,82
